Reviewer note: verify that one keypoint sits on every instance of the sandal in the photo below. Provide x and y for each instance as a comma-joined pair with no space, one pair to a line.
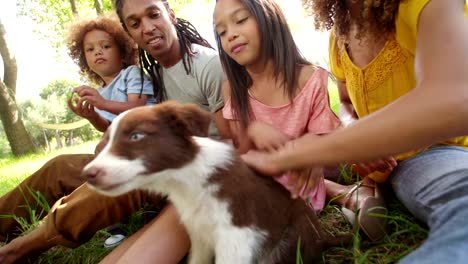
366,211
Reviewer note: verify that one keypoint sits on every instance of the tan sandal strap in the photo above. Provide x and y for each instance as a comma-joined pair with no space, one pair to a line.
356,186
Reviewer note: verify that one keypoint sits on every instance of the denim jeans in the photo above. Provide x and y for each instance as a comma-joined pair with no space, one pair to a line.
433,185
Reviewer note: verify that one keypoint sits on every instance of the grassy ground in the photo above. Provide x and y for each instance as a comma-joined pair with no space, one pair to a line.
403,235
14,170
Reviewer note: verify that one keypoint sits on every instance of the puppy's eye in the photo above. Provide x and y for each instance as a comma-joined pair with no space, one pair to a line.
136,136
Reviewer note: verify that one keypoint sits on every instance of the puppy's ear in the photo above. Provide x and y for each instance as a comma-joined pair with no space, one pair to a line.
197,120
185,119
102,143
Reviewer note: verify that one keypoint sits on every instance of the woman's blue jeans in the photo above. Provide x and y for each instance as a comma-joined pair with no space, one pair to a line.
433,185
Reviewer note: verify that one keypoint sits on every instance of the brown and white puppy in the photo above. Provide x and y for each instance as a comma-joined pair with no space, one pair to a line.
231,214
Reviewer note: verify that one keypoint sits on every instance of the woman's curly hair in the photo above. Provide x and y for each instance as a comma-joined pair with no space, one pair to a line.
109,24
378,13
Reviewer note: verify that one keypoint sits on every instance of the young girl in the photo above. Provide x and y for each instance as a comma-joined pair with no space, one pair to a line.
106,55
270,85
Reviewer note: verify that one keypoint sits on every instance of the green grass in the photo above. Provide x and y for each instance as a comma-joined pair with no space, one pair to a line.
14,170
404,234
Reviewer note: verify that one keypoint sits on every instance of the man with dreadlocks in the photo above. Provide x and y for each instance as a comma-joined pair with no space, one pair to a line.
184,68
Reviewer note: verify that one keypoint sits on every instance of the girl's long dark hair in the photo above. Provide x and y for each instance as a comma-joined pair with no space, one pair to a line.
277,44
187,35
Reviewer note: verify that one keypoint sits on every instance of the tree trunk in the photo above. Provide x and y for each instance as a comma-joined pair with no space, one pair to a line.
58,138
46,140
98,7
9,62
73,7
70,138
18,138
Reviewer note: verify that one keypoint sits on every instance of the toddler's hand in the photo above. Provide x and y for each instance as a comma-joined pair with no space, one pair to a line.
74,98
82,108
90,95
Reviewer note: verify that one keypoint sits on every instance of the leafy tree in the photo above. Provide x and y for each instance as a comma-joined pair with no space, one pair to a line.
54,15
60,88
51,18
53,109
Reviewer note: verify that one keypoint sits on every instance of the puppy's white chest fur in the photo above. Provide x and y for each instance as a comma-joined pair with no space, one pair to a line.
207,217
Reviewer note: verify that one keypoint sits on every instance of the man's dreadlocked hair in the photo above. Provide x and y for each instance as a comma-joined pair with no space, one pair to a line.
329,13
187,35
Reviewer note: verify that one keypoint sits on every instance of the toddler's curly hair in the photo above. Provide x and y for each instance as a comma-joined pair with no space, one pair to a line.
329,13
108,23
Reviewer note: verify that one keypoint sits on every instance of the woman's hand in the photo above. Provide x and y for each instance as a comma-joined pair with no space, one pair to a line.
266,137
266,162
382,165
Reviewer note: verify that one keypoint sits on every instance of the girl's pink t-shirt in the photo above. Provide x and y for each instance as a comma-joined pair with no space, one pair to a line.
309,112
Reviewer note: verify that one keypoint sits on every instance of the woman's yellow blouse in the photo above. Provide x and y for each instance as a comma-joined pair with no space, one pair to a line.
389,75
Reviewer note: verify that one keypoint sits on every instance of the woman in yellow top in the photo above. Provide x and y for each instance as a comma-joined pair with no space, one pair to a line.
402,69
374,67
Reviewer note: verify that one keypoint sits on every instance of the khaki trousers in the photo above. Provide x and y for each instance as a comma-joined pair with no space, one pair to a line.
77,212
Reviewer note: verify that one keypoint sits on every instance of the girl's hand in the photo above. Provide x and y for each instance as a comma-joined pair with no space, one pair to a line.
266,137
82,108
305,179
90,95
382,165
261,162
